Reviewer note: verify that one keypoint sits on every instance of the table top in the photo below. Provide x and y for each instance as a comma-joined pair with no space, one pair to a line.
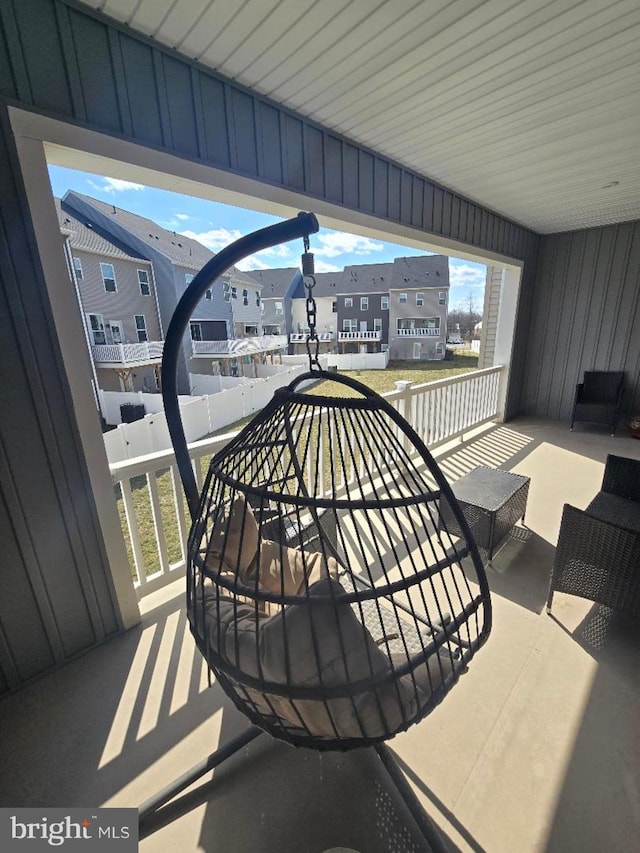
488,488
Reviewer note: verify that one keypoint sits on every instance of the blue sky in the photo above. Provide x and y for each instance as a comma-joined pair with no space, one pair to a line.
215,225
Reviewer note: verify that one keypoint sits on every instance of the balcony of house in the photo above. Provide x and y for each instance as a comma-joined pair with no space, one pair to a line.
361,336
417,329
301,337
239,347
534,749
127,355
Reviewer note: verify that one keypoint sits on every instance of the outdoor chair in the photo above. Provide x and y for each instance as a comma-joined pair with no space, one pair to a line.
598,397
598,553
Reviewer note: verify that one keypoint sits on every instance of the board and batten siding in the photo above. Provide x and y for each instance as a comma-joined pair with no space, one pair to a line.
56,598
585,315
126,302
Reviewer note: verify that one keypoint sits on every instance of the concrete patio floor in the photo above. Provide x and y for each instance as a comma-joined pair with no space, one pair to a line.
537,748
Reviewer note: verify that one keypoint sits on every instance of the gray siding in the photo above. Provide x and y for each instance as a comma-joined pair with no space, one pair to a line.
585,315
126,302
402,346
367,315
55,596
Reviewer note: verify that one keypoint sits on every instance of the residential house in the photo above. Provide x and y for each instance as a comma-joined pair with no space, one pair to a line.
325,294
117,298
277,288
418,305
362,307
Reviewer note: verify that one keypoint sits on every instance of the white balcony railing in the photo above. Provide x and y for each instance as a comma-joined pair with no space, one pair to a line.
239,346
419,332
438,411
359,336
148,352
301,337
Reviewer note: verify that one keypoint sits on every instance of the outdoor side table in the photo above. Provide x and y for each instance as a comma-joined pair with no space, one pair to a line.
492,501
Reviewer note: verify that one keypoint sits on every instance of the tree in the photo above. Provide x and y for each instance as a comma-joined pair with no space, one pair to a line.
462,320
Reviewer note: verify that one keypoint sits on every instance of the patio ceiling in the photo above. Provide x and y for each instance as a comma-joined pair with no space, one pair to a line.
532,109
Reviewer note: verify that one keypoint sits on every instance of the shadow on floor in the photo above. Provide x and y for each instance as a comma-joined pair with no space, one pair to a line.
601,787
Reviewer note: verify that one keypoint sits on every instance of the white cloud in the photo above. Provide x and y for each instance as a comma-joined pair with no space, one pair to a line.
280,251
334,243
215,239
468,275
323,266
252,263
115,185
182,216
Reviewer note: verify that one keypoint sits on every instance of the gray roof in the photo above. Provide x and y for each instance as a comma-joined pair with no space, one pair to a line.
183,251
88,239
366,278
275,283
421,271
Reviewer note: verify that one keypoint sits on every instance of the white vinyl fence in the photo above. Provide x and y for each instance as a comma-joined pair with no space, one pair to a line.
150,486
200,415
359,360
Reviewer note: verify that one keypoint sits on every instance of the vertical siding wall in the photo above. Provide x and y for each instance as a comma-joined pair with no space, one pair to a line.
55,596
492,294
585,316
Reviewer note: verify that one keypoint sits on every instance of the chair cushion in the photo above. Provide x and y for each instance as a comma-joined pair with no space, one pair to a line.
320,645
616,510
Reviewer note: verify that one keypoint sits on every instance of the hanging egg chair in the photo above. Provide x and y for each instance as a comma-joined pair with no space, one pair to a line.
324,589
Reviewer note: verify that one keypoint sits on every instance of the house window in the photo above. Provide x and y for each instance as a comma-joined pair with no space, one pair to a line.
377,324
384,347
196,331
402,297
96,329
188,278
141,327
234,292
258,300
279,308
143,281
439,348
433,322
208,294
226,289
117,332
384,303
364,303
442,297
108,277
77,268
251,330
245,296
348,302
334,306
349,325
419,299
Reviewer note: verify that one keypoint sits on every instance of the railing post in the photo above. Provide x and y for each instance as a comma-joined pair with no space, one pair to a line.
403,385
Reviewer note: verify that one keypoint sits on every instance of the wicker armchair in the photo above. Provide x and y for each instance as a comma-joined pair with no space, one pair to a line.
598,553
598,398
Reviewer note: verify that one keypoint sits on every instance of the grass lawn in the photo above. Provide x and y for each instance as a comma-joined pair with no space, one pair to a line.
379,380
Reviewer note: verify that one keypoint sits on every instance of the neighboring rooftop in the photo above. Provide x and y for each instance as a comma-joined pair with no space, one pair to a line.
275,283
88,239
421,271
183,251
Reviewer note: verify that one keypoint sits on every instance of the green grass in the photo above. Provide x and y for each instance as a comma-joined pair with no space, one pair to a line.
379,380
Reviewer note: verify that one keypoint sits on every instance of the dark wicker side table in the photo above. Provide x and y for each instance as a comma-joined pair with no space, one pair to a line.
492,501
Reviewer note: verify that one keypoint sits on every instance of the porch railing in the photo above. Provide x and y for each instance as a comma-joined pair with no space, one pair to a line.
150,499
360,336
419,331
240,346
113,354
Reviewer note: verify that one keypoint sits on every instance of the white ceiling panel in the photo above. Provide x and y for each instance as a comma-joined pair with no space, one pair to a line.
530,108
